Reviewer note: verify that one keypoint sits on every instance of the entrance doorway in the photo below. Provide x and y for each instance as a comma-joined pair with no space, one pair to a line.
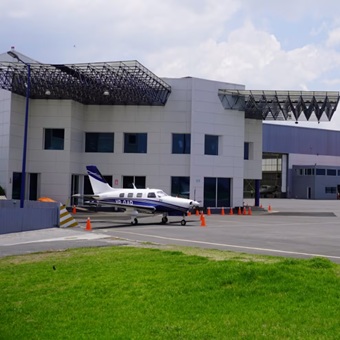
216,192
75,189
31,186
309,193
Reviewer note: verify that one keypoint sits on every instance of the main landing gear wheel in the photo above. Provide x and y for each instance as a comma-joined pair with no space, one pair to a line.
183,222
134,222
164,220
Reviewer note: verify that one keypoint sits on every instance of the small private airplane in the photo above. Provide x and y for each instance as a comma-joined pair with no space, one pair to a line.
268,190
136,201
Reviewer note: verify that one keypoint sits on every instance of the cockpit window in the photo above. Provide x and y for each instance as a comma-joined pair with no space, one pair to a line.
151,195
161,193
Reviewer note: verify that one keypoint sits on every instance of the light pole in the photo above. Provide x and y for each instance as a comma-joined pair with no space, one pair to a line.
24,151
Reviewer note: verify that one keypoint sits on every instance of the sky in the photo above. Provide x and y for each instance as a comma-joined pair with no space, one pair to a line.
262,44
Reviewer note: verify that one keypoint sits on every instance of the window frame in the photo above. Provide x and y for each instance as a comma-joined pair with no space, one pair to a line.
185,138
139,146
210,142
101,146
180,186
51,141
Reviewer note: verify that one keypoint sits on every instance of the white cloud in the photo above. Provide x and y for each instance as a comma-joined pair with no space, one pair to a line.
333,38
262,44
249,56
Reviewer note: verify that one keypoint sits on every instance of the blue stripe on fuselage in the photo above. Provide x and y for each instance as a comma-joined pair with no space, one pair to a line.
159,206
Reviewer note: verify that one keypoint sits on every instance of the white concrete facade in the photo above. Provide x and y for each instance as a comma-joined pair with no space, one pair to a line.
193,107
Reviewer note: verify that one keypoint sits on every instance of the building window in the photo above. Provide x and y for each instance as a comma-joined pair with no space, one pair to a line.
330,190
331,172
180,186
138,181
54,139
309,171
272,164
246,150
299,172
135,142
16,185
32,184
99,142
216,192
181,143
211,145
320,172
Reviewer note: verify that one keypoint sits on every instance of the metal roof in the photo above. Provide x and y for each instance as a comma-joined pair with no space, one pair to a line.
108,83
281,105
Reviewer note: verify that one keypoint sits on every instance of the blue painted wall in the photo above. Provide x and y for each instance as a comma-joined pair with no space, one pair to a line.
291,139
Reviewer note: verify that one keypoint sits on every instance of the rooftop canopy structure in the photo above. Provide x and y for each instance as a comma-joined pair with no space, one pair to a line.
109,83
281,105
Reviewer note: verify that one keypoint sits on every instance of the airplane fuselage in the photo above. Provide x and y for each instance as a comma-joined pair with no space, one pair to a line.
151,199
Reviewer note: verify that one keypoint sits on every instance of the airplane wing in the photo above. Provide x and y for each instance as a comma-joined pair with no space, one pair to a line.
135,207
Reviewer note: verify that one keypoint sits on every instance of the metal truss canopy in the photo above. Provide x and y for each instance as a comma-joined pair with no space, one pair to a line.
111,83
281,105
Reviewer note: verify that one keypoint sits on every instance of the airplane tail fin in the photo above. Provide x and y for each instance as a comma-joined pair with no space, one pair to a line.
97,180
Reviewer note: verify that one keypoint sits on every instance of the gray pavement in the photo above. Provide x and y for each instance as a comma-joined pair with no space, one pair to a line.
55,239
293,228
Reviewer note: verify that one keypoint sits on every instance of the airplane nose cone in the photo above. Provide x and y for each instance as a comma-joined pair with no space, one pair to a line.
194,203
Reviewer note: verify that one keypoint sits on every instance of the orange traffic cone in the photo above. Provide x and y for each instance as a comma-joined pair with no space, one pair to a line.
88,224
189,213
244,211
239,211
269,208
203,221
231,211
249,211
74,209
222,211
208,212
197,212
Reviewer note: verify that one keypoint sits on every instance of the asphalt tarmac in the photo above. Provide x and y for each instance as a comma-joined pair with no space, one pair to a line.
292,228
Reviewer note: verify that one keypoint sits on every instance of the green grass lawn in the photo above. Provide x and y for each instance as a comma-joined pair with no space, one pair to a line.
145,293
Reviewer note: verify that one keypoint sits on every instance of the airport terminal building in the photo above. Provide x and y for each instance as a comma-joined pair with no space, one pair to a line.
187,136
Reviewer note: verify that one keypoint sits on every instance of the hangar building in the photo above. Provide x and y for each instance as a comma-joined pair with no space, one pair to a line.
188,136
301,162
